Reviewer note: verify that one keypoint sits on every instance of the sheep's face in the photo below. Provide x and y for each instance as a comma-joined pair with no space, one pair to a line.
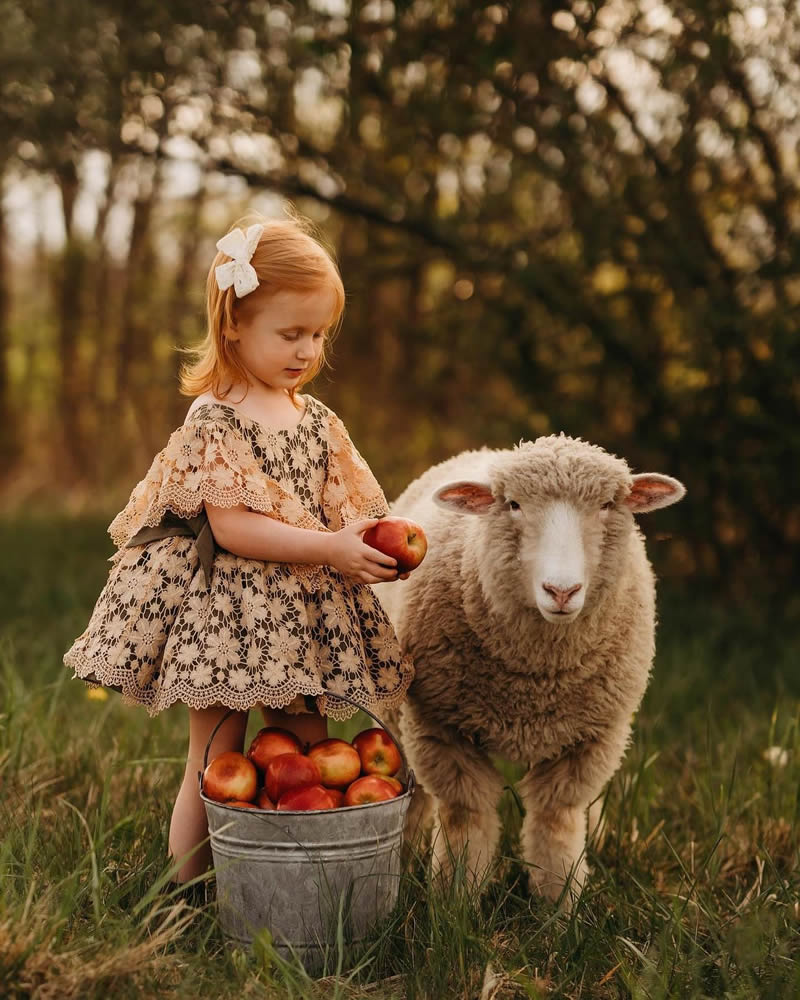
557,513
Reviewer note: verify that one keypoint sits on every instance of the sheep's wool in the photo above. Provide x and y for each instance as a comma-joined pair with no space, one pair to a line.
492,675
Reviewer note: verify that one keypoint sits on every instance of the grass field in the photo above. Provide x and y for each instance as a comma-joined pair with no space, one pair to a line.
695,891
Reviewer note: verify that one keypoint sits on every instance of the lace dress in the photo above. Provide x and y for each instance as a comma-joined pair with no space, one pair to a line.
235,631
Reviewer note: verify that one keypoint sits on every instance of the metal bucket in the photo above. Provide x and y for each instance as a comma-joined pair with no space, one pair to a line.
304,875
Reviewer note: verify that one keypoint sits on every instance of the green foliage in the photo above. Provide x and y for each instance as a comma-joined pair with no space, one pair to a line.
695,887
577,217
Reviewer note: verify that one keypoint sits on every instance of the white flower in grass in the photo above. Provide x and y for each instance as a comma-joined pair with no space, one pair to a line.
777,756
224,648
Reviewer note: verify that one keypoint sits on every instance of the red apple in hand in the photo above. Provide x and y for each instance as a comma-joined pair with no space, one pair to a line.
312,797
404,540
271,742
288,771
372,788
378,752
338,762
230,776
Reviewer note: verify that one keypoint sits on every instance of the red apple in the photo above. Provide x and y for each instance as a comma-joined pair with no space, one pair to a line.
288,771
372,788
402,539
263,801
338,762
231,776
241,805
378,752
396,785
337,797
271,742
311,797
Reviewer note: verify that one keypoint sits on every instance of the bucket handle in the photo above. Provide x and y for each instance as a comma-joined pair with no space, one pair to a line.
411,783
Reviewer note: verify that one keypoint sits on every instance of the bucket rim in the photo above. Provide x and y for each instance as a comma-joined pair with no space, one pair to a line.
305,812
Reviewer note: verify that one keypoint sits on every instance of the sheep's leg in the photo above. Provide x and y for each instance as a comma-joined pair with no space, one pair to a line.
556,795
465,789
553,841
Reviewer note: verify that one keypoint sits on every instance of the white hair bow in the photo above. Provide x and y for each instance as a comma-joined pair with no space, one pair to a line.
239,272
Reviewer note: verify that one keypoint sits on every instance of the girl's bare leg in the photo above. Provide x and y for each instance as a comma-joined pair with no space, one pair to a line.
309,727
189,824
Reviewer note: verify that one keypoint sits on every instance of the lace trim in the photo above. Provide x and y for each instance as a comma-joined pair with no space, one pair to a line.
205,461
351,492
209,460
155,701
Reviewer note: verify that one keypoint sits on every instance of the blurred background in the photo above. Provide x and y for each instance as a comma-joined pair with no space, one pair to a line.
571,216
576,216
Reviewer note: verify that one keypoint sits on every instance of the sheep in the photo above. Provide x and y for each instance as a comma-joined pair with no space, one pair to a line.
531,624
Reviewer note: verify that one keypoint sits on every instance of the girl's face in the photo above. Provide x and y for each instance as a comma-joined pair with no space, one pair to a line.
283,337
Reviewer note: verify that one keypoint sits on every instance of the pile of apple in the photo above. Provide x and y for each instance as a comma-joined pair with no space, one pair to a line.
276,773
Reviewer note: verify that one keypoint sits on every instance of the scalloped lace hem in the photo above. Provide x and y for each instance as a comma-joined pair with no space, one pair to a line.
256,694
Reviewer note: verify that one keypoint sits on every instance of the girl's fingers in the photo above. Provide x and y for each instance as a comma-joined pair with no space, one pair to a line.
362,526
381,573
377,558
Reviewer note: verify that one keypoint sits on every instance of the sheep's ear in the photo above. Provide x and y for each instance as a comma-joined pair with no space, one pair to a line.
651,490
466,497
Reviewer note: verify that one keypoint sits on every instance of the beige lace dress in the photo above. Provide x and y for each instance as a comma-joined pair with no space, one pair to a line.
171,626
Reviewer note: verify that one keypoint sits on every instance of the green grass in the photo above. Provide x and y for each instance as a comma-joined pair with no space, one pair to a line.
695,891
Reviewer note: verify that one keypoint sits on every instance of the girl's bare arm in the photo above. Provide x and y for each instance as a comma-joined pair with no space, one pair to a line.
258,536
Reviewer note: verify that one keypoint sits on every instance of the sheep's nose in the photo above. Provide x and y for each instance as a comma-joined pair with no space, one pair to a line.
561,595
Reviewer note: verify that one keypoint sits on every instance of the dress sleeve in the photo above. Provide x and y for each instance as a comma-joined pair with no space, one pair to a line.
206,460
351,492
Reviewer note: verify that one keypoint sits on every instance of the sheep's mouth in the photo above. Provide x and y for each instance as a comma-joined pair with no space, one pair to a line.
559,617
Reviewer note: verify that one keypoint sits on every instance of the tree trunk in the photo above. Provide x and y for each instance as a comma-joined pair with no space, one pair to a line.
68,299
135,340
180,305
9,438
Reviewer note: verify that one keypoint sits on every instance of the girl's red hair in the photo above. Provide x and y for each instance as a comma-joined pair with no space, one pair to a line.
290,256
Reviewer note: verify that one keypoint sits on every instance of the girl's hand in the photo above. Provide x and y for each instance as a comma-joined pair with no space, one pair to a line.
348,553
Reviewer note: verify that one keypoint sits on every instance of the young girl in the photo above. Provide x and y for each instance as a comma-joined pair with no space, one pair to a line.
240,576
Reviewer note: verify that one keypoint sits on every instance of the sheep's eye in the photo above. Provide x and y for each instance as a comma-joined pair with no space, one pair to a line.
513,505
608,505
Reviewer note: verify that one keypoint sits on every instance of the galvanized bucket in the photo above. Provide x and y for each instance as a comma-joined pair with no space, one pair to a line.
305,875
